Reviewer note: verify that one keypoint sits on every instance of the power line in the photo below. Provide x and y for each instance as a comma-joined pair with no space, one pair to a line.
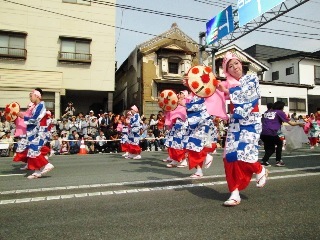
91,21
267,30
145,10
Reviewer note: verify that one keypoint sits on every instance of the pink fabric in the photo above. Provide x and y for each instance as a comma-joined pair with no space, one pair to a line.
134,108
167,120
37,93
179,112
119,127
216,105
21,128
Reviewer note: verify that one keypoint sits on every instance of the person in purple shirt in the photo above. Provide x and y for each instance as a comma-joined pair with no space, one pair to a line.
271,124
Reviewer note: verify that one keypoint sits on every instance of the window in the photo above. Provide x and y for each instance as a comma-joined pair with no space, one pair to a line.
75,50
297,104
317,75
289,71
12,45
84,2
173,64
275,75
266,100
285,100
173,67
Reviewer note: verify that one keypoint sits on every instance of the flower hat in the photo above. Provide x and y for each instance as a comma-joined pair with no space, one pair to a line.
202,81
168,100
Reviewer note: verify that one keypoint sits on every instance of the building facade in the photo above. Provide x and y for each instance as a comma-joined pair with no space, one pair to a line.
285,75
294,77
65,47
160,63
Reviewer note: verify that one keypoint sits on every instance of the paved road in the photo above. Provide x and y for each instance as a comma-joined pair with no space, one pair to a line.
104,196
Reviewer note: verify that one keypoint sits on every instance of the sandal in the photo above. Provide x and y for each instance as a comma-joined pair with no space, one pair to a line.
231,202
196,175
34,176
170,165
182,165
167,160
263,179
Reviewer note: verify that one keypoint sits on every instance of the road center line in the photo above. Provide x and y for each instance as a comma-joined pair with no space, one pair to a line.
81,195
140,182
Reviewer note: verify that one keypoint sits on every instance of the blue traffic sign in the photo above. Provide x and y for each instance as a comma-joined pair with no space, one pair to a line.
219,26
251,9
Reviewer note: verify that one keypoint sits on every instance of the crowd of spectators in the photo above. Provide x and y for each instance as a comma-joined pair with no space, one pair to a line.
100,132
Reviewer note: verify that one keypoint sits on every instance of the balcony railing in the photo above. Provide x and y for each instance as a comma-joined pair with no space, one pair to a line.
13,53
75,57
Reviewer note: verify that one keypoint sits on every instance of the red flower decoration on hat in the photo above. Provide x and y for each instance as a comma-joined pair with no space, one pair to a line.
173,102
14,113
168,108
161,104
166,101
205,78
8,118
169,94
208,91
7,110
195,85
208,69
195,70
162,95
14,105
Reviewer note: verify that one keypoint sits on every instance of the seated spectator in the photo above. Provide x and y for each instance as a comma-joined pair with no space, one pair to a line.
91,146
114,144
8,139
64,149
74,148
152,141
4,146
55,145
161,140
76,143
101,144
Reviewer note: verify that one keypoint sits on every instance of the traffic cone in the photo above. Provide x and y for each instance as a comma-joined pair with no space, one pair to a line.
82,148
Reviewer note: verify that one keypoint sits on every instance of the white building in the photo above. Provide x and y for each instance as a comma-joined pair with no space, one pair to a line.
293,77
65,47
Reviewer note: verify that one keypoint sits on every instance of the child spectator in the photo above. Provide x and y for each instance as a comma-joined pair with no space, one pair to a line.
64,149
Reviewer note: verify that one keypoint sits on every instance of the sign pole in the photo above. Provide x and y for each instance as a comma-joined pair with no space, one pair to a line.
201,47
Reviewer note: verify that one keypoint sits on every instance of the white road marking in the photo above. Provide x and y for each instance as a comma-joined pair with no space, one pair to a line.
10,175
137,190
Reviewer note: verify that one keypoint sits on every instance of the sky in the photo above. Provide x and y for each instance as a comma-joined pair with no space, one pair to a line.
305,22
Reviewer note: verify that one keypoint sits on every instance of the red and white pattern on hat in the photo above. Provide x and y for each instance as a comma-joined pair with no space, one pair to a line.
202,81
11,111
168,100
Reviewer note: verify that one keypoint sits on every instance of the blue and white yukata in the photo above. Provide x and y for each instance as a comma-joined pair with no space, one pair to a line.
245,124
174,140
124,138
37,137
201,131
241,148
134,134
